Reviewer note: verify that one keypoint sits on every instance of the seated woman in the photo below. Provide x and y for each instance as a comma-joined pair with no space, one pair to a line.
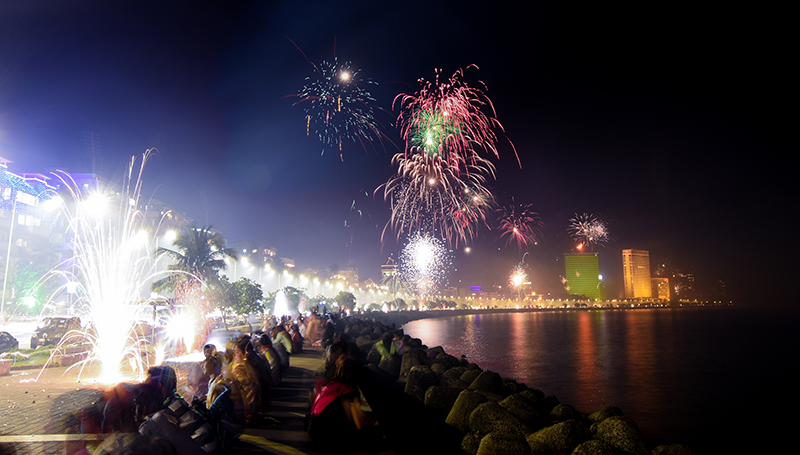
265,350
241,382
246,378
336,420
297,340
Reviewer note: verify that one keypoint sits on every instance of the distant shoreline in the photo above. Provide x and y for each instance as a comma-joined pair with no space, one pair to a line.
401,318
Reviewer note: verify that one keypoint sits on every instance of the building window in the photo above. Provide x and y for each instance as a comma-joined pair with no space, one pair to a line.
26,198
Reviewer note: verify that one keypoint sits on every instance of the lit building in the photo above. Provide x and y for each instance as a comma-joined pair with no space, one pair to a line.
347,276
636,274
661,288
159,217
25,227
388,270
258,254
582,275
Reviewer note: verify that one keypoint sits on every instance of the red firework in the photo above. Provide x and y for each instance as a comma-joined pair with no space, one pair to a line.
519,224
448,127
449,119
427,194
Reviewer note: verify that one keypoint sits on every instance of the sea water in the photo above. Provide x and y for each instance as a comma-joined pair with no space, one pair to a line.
715,378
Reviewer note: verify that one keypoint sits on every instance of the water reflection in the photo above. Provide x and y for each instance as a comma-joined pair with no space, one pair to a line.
632,359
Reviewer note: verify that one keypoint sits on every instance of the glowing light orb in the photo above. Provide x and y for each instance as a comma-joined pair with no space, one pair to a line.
281,304
182,326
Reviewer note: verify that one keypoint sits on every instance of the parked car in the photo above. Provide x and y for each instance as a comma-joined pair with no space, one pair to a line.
53,330
8,343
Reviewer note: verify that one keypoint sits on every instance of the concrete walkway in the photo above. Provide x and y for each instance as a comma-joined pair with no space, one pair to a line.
287,405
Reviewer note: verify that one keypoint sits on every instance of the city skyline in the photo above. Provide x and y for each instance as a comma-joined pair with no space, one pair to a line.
164,221
651,123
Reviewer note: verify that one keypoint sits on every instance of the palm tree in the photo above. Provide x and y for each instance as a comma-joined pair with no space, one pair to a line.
198,256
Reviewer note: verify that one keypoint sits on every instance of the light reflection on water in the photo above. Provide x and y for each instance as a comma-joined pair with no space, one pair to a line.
674,372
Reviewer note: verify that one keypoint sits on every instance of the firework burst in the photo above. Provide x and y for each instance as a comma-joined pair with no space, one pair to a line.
440,182
428,195
519,224
425,264
450,119
588,230
338,105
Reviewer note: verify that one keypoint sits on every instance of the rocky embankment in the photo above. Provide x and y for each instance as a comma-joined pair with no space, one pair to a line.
462,404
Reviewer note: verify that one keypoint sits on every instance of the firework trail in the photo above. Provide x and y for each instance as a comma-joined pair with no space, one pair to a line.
588,230
518,223
425,264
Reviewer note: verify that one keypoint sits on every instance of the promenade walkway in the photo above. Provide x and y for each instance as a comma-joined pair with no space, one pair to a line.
34,406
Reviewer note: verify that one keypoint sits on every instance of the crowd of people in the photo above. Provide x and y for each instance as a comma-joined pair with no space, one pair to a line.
226,392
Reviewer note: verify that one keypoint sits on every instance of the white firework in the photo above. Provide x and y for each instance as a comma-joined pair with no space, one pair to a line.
425,264
588,230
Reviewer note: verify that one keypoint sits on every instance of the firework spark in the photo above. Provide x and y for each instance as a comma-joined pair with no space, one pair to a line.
588,230
113,261
519,223
338,105
518,278
425,264
429,195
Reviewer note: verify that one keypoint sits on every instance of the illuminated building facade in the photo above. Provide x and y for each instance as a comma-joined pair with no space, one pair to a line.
636,274
390,276
28,226
388,270
661,288
159,217
582,275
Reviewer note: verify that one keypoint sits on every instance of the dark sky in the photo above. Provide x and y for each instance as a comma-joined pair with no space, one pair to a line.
669,120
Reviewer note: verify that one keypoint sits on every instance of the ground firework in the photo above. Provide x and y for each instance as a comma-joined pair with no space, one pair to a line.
588,230
425,264
338,105
518,223
113,261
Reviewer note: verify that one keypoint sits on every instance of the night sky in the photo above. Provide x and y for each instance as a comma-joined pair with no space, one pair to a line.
670,121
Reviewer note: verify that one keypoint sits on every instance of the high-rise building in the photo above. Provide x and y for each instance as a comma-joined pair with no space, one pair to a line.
582,275
636,274
661,288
